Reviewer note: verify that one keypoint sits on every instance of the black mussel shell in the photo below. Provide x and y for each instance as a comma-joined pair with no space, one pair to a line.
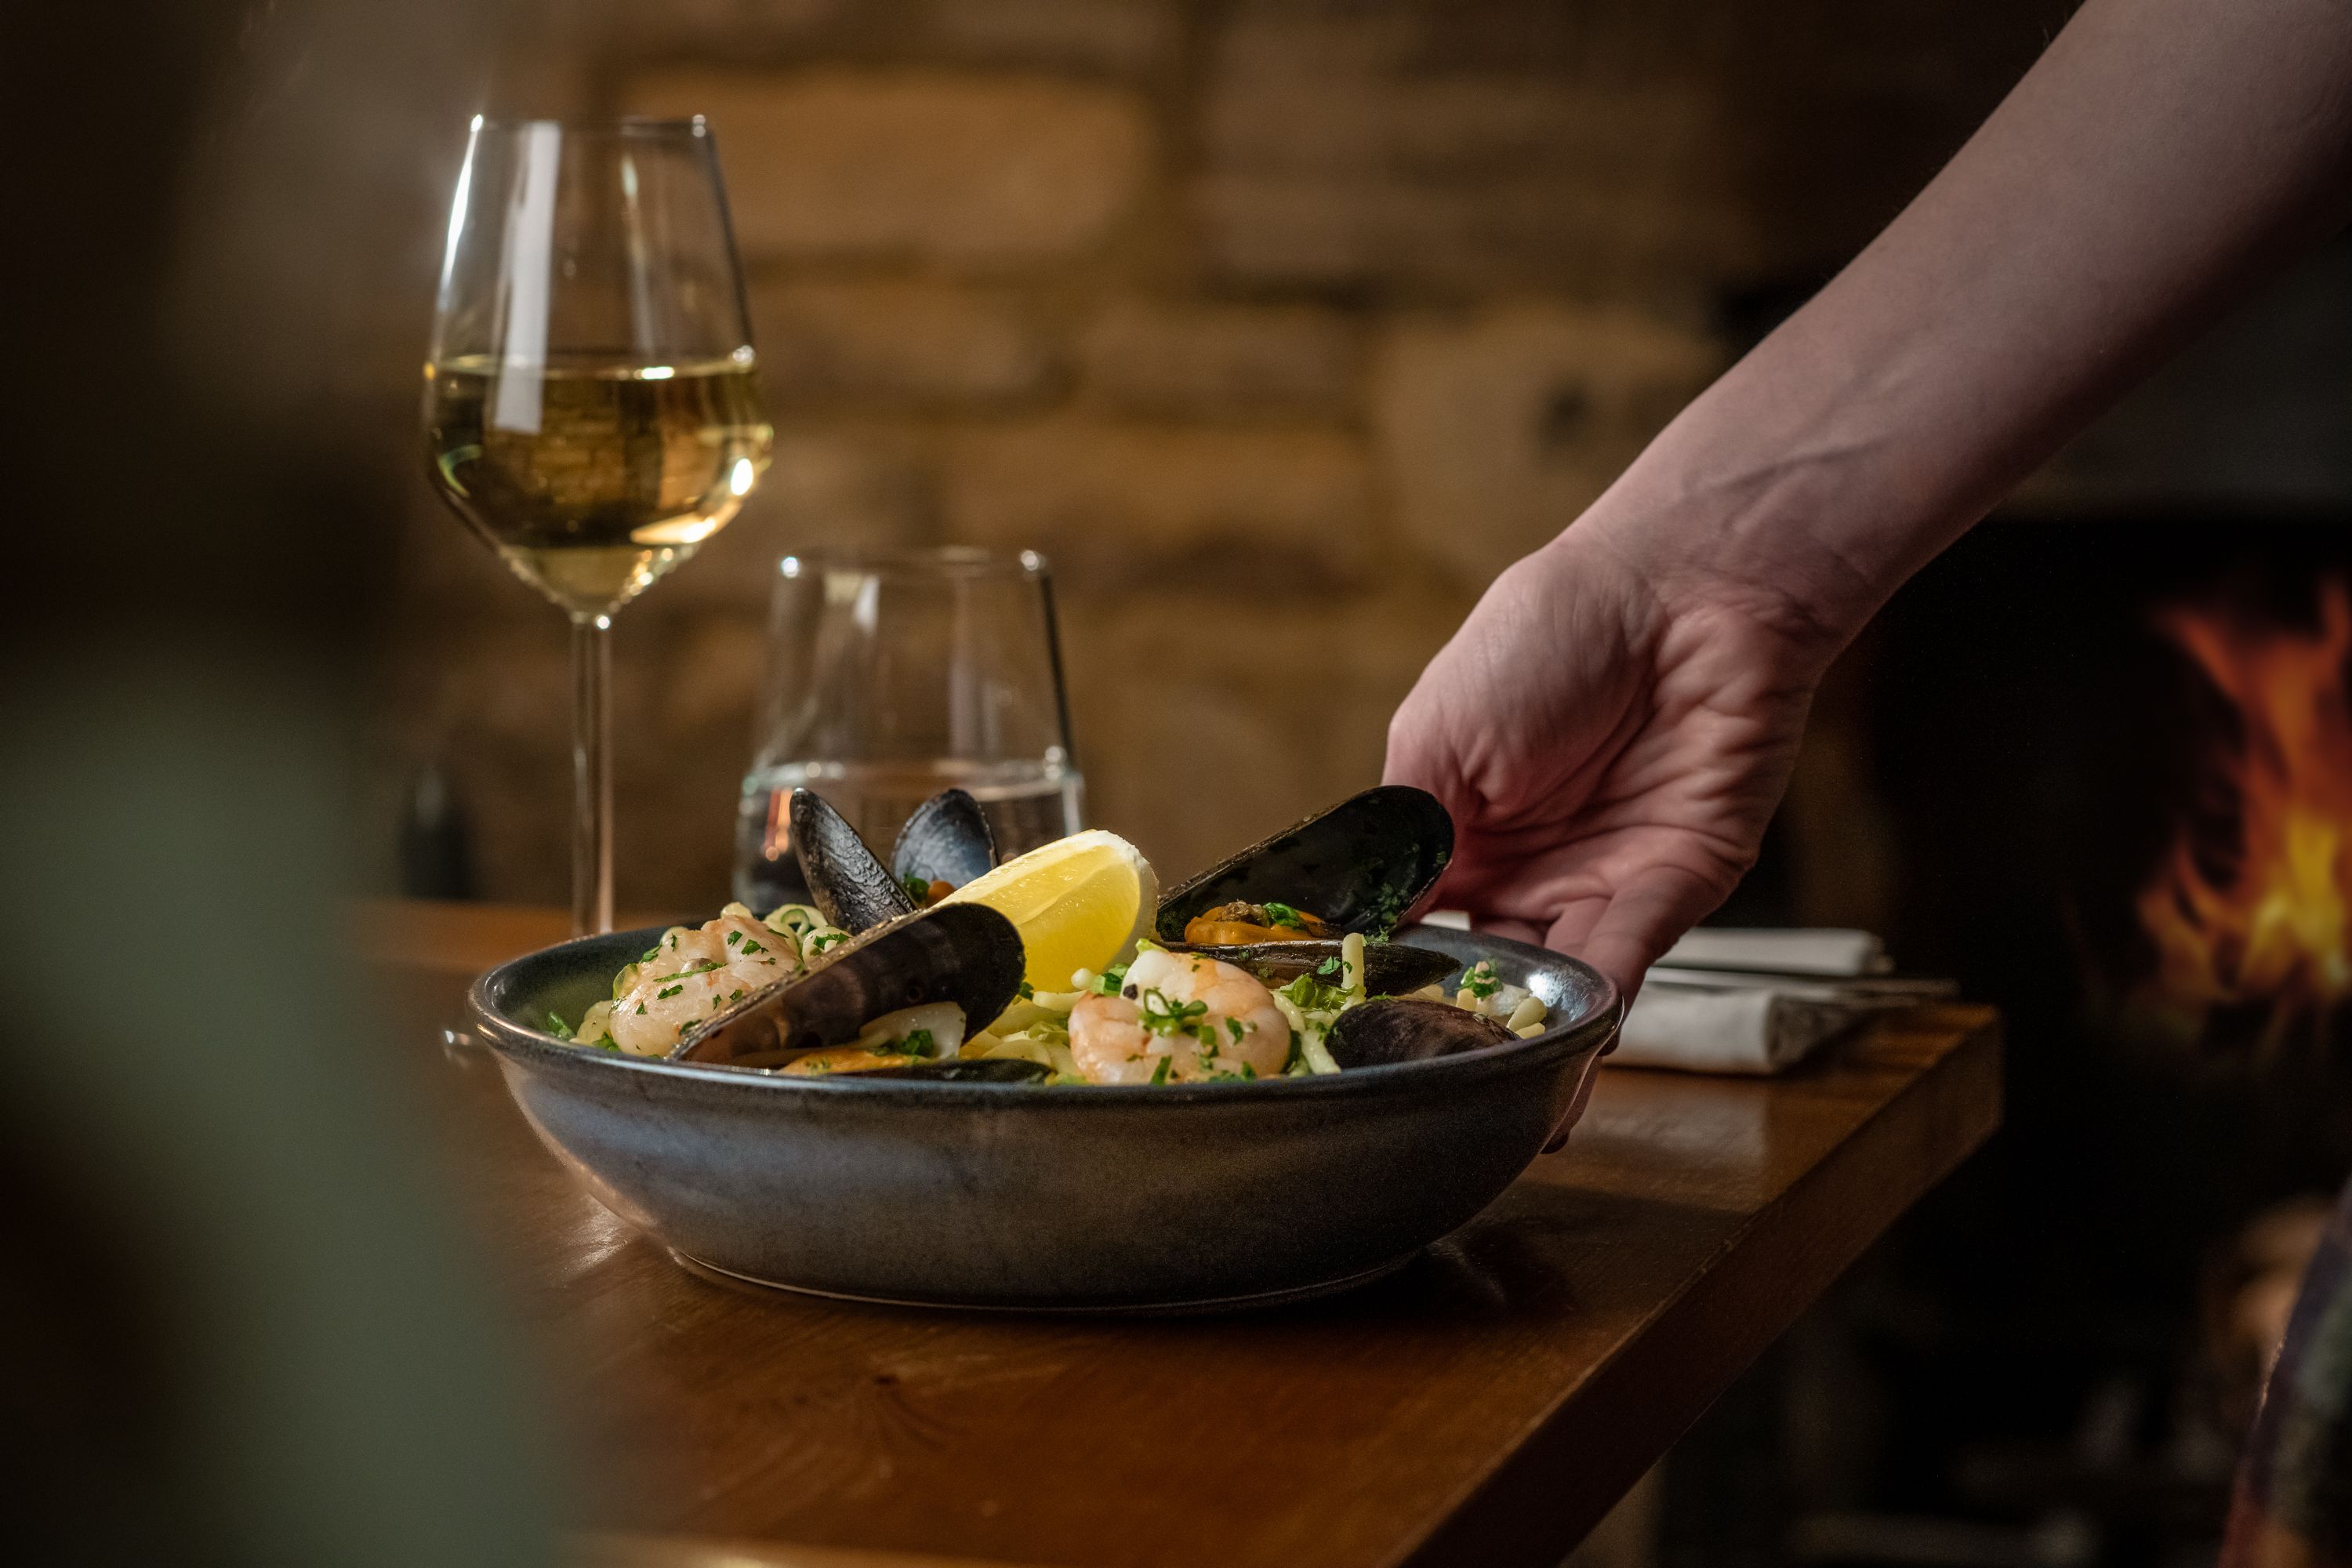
985,1070
964,954
1390,968
854,891
946,840
1360,864
1409,1029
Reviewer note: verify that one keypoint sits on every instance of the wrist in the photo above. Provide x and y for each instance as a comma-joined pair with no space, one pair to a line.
1777,495
1746,551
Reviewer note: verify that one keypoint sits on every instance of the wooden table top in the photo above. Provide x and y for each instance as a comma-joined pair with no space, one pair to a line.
1485,1404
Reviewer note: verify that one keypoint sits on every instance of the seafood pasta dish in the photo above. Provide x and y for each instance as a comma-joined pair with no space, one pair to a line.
1065,965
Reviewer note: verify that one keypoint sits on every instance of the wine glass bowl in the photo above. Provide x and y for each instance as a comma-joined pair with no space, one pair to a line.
630,469
591,408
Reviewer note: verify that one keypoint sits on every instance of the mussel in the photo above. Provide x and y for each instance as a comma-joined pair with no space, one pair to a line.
854,891
964,954
1409,1029
1358,865
946,840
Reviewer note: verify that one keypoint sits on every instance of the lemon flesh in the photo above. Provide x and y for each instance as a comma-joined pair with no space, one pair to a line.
1079,902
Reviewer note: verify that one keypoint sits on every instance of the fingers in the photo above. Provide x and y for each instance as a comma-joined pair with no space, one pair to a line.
1573,926
1638,923
1512,929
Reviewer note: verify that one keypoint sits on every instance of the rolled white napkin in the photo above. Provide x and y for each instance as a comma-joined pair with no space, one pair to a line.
1761,952
1755,1001
1702,1021
1749,1029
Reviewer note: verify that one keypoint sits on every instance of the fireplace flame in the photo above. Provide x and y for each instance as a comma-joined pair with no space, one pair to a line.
2252,925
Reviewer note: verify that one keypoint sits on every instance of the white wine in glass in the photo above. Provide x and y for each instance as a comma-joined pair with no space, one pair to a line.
591,402
631,468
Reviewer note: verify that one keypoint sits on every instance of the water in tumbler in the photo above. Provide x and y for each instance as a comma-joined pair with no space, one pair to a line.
1029,802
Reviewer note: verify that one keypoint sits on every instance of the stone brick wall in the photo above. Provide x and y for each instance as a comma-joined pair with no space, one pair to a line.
1281,325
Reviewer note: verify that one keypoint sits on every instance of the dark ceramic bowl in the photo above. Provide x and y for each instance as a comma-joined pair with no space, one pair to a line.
1029,1197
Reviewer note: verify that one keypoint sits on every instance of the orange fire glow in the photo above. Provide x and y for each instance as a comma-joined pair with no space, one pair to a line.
2258,926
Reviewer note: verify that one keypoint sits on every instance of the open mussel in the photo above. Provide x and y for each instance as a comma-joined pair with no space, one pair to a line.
1409,1029
964,954
1358,867
946,840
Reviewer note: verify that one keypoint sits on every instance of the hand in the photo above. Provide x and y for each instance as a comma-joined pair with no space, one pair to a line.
1611,737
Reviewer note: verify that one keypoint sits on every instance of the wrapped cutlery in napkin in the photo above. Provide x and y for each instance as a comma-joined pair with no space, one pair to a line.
1736,1000
1725,1000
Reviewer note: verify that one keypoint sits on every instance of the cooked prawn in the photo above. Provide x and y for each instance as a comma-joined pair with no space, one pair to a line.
1181,1016
692,975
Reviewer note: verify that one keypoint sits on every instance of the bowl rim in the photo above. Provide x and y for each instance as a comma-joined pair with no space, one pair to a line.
524,1044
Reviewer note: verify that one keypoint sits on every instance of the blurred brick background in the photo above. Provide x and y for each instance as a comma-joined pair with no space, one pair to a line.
1281,325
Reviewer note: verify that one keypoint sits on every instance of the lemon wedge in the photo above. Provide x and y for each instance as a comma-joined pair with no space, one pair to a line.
1079,902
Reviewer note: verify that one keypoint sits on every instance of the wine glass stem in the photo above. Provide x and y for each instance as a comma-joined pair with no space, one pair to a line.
592,775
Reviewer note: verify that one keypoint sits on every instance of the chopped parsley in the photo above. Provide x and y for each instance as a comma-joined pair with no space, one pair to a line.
663,995
1111,981
916,1043
1328,966
1311,997
704,967
1163,1017
750,947
558,1027
650,954
824,940
1283,916
918,888
733,937
1028,992
1159,1073
1480,980
1382,917
1234,1027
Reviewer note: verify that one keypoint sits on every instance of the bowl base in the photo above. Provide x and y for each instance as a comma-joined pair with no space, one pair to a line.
1172,1308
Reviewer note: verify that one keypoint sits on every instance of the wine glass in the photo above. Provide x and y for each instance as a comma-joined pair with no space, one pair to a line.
893,674
591,404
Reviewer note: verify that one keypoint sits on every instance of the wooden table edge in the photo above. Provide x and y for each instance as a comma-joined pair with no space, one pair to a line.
1789,1251
630,1548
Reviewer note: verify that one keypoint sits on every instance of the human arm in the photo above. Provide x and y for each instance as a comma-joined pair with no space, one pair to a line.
1615,721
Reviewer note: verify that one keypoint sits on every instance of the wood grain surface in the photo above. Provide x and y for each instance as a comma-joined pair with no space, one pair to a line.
1485,1405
